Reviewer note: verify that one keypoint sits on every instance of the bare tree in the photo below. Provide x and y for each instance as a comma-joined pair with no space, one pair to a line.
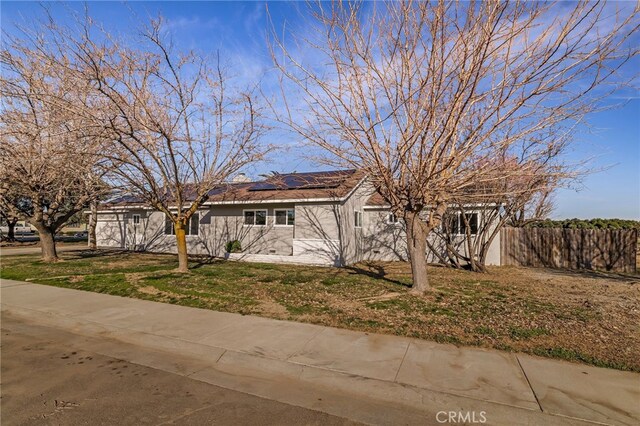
480,214
8,211
179,125
417,94
45,157
535,206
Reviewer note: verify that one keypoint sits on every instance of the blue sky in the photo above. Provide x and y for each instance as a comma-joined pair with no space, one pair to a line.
237,30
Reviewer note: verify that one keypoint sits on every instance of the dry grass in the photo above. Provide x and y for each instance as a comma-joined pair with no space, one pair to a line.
585,317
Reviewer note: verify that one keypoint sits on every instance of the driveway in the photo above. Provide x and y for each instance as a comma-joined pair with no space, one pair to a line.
47,379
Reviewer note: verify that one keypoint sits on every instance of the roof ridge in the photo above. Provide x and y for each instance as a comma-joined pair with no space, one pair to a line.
316,172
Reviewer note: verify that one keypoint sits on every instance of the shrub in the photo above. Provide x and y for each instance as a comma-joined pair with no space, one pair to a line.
233,246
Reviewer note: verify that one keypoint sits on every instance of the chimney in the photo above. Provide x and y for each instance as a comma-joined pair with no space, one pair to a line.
240,178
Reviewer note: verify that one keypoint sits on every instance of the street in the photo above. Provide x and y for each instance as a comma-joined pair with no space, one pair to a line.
47,380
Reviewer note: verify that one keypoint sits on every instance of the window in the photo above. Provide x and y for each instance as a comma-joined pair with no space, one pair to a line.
472,221
284,217
358,219
255,217
192,228
136,219
392,219
454,224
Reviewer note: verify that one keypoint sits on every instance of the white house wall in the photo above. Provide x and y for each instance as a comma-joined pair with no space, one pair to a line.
352,235
110,230
318,232
382,241
218,225
387,242
226,223
325,229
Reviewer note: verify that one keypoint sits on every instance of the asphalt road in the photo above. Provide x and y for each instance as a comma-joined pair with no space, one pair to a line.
47,381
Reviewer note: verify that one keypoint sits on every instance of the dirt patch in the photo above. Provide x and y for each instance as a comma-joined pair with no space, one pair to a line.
272,309
387,296
135,277
150,290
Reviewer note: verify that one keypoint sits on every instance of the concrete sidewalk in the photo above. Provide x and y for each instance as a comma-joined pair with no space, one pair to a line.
377,379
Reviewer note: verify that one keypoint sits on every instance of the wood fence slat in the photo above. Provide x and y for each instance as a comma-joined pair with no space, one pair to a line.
605,249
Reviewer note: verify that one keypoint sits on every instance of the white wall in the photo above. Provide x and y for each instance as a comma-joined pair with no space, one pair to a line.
387,242
320,228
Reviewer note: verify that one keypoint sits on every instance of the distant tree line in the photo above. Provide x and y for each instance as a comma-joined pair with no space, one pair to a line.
597,223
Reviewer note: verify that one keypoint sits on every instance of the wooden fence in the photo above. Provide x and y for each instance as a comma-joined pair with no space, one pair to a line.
604,249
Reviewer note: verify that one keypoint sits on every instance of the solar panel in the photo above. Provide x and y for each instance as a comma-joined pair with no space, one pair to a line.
319,180
263,186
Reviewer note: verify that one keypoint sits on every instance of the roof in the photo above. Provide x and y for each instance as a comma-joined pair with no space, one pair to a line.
376,200
470,194
307,186
291,186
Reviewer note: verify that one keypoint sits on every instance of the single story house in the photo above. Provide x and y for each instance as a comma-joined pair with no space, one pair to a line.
323,218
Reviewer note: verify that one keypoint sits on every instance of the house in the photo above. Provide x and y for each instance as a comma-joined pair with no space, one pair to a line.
322,218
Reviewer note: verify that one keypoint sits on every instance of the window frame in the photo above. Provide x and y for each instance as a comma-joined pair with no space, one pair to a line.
358,223
393,223
190,225
266,217
460,225
134,217
187,231
286,224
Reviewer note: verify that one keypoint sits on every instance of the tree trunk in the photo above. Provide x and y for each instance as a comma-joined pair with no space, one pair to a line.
477,265
11,233
417,245
480,264
181,241
93,221
47,243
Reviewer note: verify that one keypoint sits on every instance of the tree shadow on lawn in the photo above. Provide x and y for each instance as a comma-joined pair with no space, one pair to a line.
200,261
376,271
89,254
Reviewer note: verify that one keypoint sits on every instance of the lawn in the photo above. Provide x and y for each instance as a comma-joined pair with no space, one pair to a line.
583,317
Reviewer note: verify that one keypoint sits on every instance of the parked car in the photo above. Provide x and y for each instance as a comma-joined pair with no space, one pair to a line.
81,234
19,229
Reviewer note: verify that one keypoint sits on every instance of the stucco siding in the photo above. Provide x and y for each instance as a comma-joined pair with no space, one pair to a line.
383,241
353,236
218,225
110,229
323,229
317,221
226,223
